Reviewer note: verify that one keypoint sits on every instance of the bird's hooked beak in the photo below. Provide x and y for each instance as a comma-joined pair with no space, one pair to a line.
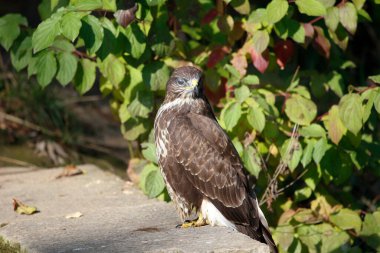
193,86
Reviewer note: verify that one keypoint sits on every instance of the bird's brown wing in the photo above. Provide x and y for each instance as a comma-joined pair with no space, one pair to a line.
206,157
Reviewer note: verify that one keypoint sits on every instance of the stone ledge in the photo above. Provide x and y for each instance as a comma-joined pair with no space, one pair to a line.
114,220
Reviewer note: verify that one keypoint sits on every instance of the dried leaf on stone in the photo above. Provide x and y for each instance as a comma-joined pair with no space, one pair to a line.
74,215
69,171
21,208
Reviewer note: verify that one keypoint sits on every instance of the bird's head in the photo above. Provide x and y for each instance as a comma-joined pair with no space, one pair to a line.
185,82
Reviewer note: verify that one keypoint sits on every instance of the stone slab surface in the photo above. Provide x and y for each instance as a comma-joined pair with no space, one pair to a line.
117,217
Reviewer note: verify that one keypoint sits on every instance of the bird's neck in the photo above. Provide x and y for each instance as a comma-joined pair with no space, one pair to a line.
180,106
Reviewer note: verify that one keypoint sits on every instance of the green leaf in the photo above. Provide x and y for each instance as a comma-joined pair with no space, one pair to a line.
308,153
335,126
124,114
358,3
22,54
327,3
241,6
351,112
10,29
348,17
260,41
242,93
68,64
133,128
155,2
336,83
311,7
320,149
302,194
149,152
88,5
300,110
375,79
109,5
313,176
332,18
256,118
63,45
371,224
92,33
85,77
142,105
46,66
45,33
292,159
231,115
154,183
70,25
289,28
347,219
113,69
156,75
250,79
137,40
276,10
314,130
377,101
284,235
252,161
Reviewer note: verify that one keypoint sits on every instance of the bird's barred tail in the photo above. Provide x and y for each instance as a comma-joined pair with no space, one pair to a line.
262,233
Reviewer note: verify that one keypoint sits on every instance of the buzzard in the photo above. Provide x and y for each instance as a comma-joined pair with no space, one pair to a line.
200,166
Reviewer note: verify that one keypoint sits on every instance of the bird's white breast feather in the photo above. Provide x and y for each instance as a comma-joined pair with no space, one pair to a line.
213,216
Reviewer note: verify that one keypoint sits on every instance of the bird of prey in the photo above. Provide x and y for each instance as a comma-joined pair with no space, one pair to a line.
202,170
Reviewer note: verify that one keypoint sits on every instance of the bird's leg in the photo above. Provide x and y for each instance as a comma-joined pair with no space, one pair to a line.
200,221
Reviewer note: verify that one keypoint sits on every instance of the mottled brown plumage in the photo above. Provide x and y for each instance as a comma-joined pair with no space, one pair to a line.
201,168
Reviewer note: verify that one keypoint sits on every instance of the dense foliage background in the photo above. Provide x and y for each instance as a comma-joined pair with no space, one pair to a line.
294,83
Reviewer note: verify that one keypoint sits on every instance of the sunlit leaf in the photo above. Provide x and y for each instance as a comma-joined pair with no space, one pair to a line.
348,17
347,219
311,7
300,110
85,76
276,10
231,115
70,25
256,118
46,66
252,161
351,112
334,125
45,33
67,63
92,33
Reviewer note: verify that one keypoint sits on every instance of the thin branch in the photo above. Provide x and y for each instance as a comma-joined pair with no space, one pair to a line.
315,20
28,124
15,161
84,55
271,191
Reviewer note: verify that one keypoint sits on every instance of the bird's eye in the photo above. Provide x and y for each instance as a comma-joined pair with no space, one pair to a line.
181,81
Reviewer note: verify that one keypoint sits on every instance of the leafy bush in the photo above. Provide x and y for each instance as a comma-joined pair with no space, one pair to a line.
269,68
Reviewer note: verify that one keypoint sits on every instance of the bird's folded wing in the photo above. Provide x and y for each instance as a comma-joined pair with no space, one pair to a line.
210,162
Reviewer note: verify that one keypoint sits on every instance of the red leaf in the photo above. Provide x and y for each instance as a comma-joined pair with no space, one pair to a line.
260,61
216,56
284,50
239,61
321,43
209,16
215,96
309,33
